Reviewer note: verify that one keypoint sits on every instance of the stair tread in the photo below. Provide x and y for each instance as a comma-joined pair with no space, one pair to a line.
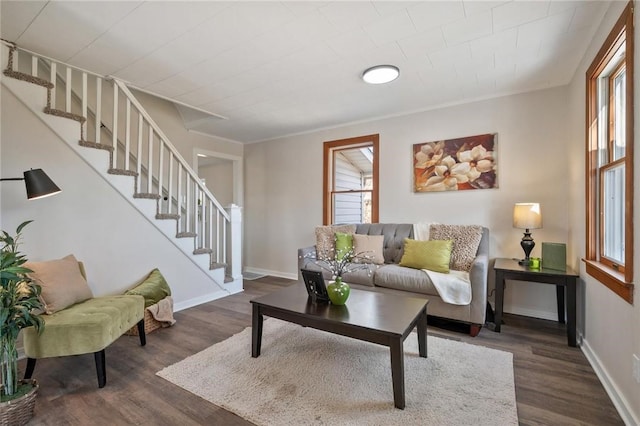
122,172
203,250
28,78
146,195
166,216
64,114
186,235
95,145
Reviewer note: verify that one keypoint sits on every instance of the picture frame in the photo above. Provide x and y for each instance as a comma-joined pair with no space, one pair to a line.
464,163
314,282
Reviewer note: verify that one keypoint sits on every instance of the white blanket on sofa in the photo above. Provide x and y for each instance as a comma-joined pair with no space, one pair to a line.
454,287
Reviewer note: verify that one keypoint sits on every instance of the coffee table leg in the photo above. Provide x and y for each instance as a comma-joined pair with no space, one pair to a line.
256,331
397,372
422,333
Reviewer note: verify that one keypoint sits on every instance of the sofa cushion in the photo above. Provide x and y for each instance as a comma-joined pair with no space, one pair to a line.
394,235
85,327
406,279
326,239
344,244
433,255
370,248
61,281
466,240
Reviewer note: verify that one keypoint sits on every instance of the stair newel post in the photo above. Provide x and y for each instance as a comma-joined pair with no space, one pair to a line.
127,133
150,162
210,225
160,172
67,90
179,203
34,66
84,104
98,109
170,184
139,154
218,251
53,77
114,129
188,205
235,218
203,211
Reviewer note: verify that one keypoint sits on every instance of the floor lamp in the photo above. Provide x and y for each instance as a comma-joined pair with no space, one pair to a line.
38,184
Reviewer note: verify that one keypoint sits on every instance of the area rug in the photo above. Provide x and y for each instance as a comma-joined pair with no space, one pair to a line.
309,377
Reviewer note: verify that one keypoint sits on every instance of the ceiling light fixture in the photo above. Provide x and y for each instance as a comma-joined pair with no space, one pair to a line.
380,74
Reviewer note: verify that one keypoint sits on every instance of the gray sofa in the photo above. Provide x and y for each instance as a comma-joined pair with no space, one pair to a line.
393,278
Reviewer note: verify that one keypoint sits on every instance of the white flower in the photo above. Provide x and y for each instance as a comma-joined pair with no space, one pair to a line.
479,159
429,154
448,174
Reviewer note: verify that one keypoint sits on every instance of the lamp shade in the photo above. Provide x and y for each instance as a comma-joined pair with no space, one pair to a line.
39,185
527,216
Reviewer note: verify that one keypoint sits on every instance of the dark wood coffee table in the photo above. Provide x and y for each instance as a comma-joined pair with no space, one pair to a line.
385,319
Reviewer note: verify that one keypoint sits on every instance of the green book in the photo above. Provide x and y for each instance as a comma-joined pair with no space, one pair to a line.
554,256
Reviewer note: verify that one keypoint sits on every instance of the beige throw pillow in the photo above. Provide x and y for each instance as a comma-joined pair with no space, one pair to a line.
369,246
61,281
466,240
326,239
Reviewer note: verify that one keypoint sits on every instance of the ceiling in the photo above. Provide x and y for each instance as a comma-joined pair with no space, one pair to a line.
271,69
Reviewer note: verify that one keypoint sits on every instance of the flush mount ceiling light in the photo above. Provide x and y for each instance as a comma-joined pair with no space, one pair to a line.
380,74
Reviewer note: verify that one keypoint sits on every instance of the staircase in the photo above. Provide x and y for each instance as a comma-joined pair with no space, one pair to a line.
107,126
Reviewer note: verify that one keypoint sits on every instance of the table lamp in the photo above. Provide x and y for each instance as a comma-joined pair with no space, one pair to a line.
527,216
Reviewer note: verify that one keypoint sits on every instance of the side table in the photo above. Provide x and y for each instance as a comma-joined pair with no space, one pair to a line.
510,269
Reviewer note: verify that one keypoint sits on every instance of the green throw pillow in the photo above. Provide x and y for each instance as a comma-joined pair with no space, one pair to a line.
344,243
433,255
154,288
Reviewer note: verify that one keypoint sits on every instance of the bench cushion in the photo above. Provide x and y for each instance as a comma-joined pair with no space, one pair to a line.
85,327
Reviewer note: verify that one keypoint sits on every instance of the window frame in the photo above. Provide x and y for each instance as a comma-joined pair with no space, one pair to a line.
329,148
616,277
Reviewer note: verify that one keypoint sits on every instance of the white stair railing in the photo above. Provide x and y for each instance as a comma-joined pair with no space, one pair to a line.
167,176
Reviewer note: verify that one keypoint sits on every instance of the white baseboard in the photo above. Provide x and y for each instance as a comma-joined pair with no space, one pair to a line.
279,274
618,399
199,300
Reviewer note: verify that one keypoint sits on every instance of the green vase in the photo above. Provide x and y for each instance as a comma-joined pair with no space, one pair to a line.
338,291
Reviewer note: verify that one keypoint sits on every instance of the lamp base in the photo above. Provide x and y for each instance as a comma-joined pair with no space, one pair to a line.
527,245
524,262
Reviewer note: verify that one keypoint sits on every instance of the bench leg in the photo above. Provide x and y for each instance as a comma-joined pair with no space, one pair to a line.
31,365
100,368
143,337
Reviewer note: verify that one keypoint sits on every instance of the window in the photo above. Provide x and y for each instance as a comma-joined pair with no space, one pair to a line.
350,190
609,178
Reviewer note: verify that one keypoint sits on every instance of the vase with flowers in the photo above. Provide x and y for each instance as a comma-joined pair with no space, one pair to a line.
338,265
19,302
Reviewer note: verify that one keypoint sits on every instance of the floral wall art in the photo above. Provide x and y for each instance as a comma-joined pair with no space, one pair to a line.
456,164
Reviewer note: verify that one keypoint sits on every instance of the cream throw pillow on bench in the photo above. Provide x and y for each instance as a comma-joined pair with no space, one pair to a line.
61,281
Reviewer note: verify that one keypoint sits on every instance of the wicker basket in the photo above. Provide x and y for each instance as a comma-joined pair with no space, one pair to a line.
150,325
19,411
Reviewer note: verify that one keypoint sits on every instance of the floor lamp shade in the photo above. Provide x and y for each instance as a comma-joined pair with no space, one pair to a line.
39,185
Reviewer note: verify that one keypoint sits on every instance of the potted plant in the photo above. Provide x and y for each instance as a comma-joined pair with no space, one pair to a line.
19,304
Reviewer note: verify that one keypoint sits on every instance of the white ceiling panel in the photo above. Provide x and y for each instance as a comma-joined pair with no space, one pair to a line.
15,17
279,67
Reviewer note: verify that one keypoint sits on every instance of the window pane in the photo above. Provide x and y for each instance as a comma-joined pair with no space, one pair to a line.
613,213
351,208
619,87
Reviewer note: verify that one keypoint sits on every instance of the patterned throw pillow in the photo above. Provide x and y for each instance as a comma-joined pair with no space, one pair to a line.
326,239
466,240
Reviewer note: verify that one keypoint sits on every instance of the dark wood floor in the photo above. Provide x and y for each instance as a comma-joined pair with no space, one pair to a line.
555,385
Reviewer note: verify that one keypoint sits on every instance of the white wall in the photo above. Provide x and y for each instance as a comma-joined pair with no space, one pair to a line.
609,325
89,218
219,180
284,183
